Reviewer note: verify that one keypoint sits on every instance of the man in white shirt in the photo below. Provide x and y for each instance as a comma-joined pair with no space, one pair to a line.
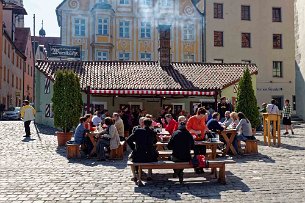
272,108
96,119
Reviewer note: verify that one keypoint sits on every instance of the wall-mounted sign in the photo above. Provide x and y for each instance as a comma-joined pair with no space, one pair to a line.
64,51
270,89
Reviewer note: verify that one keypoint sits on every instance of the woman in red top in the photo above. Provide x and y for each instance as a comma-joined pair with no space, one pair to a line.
170,127
197,127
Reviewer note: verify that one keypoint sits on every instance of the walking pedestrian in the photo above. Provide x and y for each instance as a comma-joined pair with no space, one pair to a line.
287,117
27,115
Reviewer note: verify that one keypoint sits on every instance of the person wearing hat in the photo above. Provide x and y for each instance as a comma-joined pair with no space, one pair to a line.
222,107
27,115
264,108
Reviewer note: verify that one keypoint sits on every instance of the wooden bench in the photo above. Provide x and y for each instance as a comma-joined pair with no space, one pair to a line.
73,151
118,153
251,147
178,165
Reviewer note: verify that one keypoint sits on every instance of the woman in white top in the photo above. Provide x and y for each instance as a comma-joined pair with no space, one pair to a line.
244,129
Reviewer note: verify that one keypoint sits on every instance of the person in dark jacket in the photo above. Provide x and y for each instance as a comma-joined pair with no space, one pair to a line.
222,107
181,143
142,142
213,124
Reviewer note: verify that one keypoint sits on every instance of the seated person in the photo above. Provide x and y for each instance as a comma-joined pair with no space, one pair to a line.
181,143
234,122
108,138
154,124
228,119
142,142
213,124
80,135
244,130
97,119
171,123
141,124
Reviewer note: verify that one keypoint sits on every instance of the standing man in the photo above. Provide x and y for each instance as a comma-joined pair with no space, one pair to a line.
27,115
222,107
119,125
287,110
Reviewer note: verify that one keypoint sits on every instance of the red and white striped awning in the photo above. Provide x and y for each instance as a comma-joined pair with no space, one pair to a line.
152,92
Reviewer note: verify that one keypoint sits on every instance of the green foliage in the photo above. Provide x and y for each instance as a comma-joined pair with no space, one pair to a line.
67,100
246,100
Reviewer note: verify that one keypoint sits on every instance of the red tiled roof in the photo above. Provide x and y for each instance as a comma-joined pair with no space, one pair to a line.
117,75
21,38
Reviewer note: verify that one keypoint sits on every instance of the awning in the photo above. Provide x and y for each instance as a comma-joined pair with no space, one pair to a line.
152,92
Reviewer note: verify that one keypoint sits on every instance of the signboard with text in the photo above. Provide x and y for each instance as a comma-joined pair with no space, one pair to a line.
64,51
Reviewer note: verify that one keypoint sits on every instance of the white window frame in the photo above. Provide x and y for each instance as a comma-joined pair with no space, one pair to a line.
136,103
166,3
145,58
146,27
124,2
102,59
122,56
125,35
100,103
189,32
80,25
104,23
187,57
145,3
179,104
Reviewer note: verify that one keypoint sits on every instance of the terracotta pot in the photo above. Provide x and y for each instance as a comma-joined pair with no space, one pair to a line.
62,137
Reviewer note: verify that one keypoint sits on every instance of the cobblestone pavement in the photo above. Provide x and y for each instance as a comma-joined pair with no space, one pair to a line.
37,171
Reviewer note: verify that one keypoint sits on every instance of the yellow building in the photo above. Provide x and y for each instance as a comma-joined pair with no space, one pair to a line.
128,30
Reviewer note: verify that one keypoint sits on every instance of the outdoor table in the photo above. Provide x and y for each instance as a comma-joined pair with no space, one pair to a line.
229,142
211,145
276,126
163,135
93,141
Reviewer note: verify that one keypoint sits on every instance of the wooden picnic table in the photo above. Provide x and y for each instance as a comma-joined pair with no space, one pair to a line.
229,141
93,140
212,145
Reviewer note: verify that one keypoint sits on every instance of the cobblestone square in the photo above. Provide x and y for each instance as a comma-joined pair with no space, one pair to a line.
35,170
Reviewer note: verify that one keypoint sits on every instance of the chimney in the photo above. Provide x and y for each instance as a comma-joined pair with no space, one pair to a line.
165,46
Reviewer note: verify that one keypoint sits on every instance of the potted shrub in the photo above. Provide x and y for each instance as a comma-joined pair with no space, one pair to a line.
67,104
246,100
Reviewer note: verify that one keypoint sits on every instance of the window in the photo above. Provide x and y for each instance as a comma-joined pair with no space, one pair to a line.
218,39
279,101
102,56
4,73
124,56
146,2
83,55
17,82
246,40
145,56
277,41
124,29
31,71
103,26
79,27
218,60
188,32
13,80
5,46
13,57
124,2
189,58
246,61
20,83
8,76
166,3
277,69
245,12
145,29
9,51
218,10
294,105
276,15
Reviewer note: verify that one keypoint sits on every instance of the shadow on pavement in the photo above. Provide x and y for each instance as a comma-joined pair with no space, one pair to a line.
119,164
28,139
164,187
253,157
291,147
46,130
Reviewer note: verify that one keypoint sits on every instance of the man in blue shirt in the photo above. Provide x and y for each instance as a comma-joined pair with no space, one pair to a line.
213,124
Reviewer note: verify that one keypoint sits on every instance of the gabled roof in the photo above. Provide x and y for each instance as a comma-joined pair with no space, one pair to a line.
21,38
122,75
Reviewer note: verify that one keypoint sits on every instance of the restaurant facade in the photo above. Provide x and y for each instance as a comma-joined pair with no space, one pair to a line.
121,85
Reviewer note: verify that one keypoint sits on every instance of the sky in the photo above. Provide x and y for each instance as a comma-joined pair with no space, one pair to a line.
43,10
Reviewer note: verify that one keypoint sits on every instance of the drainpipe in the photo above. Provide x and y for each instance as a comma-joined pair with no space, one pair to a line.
88,99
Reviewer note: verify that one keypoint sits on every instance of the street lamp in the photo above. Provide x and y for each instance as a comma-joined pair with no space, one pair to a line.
203,25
